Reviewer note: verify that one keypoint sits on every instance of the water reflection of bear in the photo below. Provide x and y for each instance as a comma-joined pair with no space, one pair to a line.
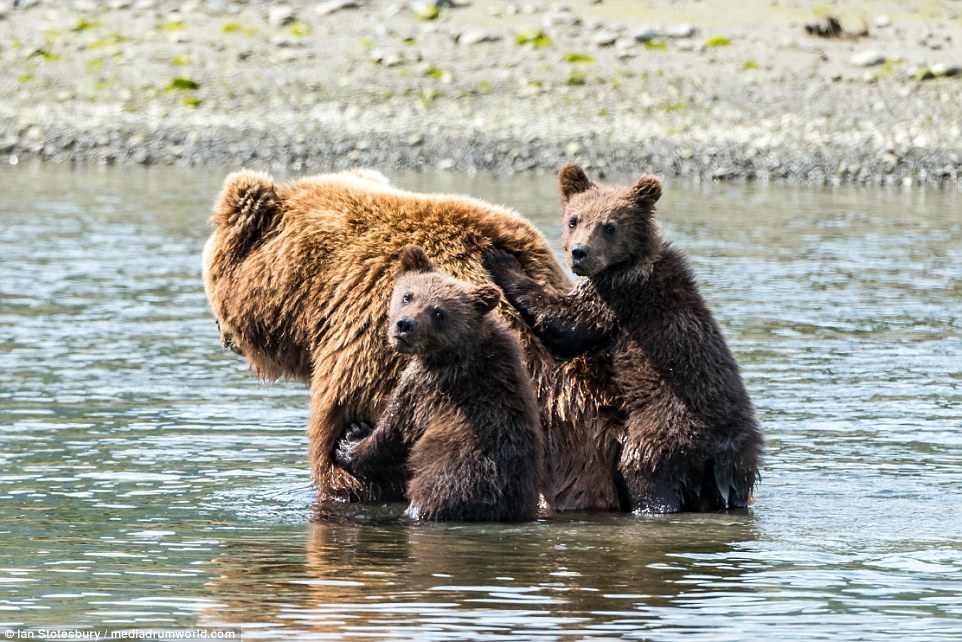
353,573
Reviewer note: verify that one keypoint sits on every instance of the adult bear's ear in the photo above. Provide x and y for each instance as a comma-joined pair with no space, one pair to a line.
646,191
413,259
486,297
246,209
573,181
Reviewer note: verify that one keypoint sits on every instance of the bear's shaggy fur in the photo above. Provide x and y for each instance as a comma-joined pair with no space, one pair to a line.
299,275
463,414
691,441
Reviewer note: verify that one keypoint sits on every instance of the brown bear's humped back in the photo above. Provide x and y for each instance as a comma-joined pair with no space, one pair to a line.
299,275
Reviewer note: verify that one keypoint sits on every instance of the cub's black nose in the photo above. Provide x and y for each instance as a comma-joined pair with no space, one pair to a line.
405,325
579,252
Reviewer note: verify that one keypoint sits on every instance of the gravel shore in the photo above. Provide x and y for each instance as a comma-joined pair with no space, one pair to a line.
683,88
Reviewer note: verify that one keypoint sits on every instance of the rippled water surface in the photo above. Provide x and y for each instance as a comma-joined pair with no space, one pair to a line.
148,480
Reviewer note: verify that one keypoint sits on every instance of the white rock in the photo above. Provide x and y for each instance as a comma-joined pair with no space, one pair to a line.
392,60
393,9
683,30
331,6
286,42
867,58
604,39
475,36
287,55
942,69
883,21
280,15
561,18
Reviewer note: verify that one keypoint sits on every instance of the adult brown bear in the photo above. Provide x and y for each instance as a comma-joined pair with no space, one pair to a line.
299,276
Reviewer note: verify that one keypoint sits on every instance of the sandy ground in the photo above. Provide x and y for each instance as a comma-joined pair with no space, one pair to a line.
688,88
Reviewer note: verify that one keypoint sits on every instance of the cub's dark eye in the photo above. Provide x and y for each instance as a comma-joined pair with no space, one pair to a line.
573,222
610,228
406,298
439,315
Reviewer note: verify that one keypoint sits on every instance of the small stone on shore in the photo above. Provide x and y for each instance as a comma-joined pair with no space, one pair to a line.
683,30
280,15
477,36
561,18
867,58
604,39
941,69
644,34
327,8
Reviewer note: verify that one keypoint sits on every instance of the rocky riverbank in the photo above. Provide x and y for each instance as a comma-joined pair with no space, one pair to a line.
692,89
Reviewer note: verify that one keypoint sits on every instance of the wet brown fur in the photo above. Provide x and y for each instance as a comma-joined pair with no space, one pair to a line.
463,415
691,441
299,275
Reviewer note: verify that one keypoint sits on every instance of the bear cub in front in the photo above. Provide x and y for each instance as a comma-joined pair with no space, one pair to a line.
463,416
690,438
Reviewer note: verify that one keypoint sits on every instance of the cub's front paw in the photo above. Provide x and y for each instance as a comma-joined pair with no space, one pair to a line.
355,434
344,453
501,265
357,431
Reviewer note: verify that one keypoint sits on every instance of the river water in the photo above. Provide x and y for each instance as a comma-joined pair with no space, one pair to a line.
147,480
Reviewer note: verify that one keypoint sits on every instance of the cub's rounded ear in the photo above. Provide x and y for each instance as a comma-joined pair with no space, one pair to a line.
486,297
246,210
647,190
573,180
413,259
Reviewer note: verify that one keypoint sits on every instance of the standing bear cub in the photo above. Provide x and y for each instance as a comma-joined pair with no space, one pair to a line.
463,416
691,441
